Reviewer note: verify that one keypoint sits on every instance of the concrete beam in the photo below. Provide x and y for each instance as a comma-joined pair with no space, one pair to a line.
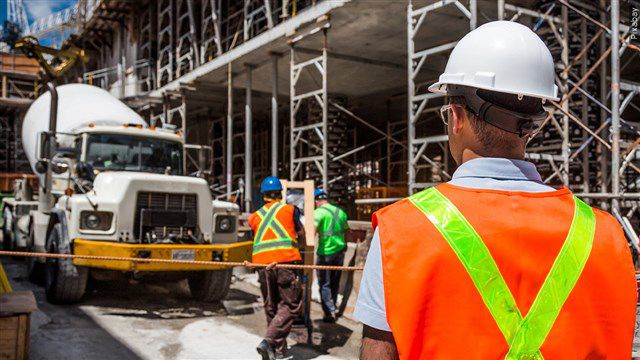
279,31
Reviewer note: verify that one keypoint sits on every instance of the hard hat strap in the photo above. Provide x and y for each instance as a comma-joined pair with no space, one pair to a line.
507,120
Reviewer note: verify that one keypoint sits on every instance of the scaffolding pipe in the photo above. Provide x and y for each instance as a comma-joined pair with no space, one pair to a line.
602,155
183,114
411,130
615,105
248,143
229,149
584,110
566,146
325,115
274,114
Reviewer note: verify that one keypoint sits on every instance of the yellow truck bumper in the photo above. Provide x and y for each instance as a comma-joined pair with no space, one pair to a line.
211,252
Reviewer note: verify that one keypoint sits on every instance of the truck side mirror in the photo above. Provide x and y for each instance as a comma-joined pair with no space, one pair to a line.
67,152
85,170
42,145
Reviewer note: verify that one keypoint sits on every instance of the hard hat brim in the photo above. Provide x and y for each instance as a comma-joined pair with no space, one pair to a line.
441,88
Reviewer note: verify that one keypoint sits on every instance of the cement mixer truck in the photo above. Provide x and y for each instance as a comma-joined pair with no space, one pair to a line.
110,185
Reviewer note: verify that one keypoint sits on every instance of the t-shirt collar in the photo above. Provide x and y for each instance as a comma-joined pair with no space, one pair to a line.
498,168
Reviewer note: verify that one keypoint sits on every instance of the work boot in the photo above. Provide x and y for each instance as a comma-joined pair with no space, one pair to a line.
283,355
266,350
329,318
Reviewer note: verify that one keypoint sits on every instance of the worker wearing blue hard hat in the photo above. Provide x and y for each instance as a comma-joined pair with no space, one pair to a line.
332,226
278,235
270,184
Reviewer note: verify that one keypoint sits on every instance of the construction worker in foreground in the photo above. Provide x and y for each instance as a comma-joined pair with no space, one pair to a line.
495,264
277,236
332,225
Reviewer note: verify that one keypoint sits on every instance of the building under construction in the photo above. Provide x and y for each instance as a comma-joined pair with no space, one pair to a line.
335,90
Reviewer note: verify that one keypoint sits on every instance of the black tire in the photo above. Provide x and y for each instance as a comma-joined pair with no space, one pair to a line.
35,268
7,231
64,282
211,285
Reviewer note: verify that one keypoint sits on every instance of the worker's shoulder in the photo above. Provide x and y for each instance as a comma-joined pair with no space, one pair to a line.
607,221
395,208
289,207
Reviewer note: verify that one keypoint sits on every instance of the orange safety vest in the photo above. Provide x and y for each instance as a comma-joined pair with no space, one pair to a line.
435,310
274,234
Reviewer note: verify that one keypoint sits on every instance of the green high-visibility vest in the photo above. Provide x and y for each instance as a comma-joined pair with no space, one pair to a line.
525,335
332,223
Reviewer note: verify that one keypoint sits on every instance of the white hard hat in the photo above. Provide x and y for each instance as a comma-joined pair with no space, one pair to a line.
501,56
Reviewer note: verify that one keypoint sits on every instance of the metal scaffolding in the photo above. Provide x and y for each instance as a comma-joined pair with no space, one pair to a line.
585,144
305,153
417,96
165,63
572,145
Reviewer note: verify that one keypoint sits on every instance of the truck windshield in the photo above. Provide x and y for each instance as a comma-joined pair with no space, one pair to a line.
134,153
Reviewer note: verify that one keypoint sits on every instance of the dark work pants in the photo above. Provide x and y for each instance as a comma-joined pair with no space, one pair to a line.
329,281
282,303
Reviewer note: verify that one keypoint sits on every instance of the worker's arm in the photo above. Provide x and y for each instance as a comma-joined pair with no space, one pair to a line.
347,235
377,345
299,228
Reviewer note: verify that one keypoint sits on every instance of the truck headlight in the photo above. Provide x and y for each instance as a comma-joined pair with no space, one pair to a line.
96,220
225,224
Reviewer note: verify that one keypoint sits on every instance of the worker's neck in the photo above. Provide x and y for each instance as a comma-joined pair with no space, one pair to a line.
470,154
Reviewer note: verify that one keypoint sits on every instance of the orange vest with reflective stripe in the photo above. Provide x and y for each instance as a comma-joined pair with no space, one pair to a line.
269,245
435,311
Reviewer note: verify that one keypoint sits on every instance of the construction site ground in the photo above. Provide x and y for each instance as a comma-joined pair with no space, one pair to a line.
147,320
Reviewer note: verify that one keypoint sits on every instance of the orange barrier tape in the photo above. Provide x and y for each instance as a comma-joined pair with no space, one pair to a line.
195,262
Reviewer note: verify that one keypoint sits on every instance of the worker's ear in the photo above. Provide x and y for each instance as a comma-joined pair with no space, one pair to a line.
458,118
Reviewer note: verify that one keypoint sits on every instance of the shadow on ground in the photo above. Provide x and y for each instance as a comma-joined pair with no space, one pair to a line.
154,300
325,336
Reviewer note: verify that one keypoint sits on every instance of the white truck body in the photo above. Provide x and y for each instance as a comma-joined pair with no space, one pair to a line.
122,190
79,105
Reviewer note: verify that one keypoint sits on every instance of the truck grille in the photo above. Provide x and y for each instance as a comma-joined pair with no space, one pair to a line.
165,202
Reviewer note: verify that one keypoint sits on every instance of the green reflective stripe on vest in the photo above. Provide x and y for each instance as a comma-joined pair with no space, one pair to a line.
266,220
524,336
556,288
269,221
273,245
475,257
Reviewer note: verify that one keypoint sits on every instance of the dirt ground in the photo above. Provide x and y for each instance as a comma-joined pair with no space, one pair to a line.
128,319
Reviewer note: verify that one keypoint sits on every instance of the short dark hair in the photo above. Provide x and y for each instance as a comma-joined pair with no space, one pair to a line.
491,136
272,194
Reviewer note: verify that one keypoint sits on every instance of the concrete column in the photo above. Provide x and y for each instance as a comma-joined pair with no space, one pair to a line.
248,143
229,150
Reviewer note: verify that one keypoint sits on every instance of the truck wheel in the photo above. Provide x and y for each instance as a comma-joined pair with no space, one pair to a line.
64,282
7,232
35,268
210,285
